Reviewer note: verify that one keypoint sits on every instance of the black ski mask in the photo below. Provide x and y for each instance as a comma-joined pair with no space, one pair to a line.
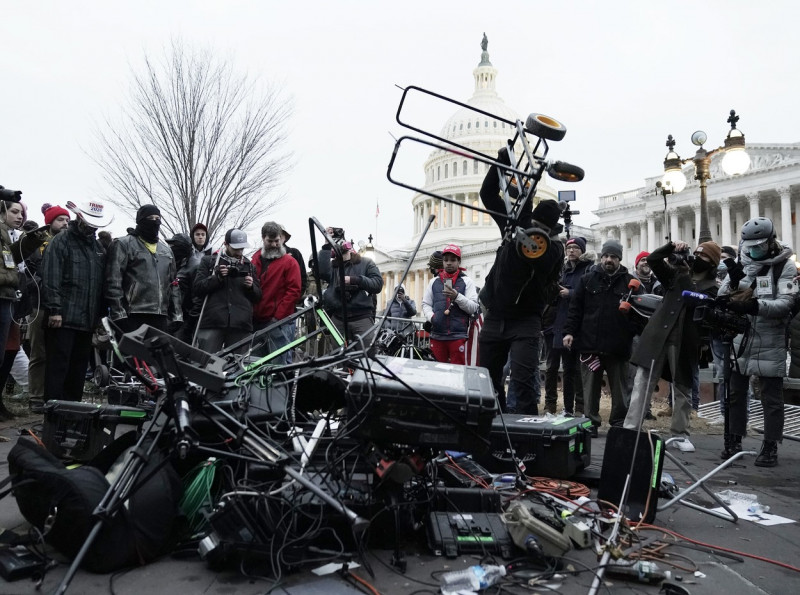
701,266
148,228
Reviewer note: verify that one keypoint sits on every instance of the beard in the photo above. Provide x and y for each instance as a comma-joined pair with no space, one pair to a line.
273,253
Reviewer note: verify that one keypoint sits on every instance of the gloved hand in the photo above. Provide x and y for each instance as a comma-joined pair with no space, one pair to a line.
735,271
427,326
502,155
744,307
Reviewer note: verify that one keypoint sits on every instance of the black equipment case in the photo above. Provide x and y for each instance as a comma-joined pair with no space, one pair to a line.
384,404
548,447
79,431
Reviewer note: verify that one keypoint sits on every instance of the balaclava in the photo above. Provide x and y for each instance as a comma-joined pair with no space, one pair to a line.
146,228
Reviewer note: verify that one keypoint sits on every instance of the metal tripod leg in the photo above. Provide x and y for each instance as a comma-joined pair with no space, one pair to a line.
700,483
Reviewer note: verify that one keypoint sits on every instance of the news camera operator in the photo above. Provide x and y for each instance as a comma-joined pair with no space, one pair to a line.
401,310
515,293
362,281
225,281
760,285
672,341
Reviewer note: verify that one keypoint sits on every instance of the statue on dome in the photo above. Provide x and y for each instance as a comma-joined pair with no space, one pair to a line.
484,43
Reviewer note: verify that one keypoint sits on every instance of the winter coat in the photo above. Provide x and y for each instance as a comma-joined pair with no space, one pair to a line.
672,323
764,353
455,325
139,282
365,282
594,319
229,302
794,345
279,280
517,287
73,275
570,278
296,254
9,279
406,308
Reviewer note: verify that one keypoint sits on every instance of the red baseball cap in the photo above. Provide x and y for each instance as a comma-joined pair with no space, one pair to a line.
452,249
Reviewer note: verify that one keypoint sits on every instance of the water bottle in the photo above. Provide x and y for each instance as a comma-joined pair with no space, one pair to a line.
641,570
472,579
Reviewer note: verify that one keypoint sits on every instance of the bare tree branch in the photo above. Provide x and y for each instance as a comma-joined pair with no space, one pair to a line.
199,141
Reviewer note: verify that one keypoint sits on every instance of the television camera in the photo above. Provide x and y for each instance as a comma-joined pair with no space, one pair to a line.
713,314
10,195
239,269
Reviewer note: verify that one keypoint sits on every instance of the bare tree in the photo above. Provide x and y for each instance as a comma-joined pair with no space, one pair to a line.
199,141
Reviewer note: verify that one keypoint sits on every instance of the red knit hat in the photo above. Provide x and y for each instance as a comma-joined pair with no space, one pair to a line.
639,257
52,213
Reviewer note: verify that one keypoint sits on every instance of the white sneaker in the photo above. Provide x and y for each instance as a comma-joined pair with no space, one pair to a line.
683,445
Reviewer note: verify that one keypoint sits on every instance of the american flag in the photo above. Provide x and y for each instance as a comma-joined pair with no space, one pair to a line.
377,210
472,340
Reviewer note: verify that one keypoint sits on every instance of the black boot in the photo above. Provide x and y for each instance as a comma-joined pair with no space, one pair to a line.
768,457
733,445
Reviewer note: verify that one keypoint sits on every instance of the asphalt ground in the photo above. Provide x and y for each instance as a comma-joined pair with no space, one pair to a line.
725,557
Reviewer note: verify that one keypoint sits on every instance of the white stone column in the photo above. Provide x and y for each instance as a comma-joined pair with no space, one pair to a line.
739,223
753,199
796,245
725,208
786,213
643,236
651,232
697,223
623,238
687,230
673,225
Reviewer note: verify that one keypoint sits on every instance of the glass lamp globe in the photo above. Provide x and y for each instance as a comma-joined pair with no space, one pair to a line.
674,180
736,161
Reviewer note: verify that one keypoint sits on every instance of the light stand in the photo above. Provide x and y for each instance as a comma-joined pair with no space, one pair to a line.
665,190
735,162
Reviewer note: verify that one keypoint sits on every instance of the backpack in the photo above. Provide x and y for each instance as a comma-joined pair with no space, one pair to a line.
60,502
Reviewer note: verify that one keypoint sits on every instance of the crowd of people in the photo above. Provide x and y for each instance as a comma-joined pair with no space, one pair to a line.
60,279
554,296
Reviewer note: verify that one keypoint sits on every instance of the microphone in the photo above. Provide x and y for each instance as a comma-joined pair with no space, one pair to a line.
696,297
625,303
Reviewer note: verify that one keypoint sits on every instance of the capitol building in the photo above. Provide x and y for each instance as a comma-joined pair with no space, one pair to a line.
637,218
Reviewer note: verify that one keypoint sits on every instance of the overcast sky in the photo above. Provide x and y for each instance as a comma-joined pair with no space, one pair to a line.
621,75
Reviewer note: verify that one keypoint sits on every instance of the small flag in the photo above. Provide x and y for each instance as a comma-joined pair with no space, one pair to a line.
377,209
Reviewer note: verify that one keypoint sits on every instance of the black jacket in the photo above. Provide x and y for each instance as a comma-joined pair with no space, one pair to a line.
365,282
139,282
73,273
570,278
672,322
517,287
594,319
230,302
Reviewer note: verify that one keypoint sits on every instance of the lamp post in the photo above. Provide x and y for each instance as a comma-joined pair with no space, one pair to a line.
735,162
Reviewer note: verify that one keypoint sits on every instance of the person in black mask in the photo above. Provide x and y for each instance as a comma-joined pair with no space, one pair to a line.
672,341
141,273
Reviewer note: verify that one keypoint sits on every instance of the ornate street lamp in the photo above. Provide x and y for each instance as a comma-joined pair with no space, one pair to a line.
735,162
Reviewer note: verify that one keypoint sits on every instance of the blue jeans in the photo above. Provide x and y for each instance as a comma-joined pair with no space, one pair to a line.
278,337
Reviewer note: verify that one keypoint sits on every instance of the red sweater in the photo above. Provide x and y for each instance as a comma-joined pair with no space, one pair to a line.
280,287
